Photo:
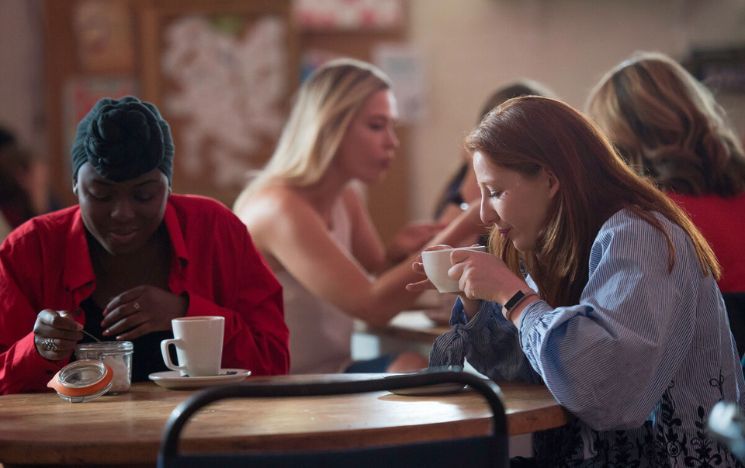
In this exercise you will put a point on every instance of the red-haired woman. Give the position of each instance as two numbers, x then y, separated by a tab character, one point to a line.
598	285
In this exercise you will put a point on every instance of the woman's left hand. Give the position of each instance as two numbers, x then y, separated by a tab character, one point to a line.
142	310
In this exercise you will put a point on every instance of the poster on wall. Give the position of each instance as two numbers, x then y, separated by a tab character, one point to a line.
222	77
103	36
351	15
405	67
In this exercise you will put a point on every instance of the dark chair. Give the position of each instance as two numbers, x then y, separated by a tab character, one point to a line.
726	424
484	451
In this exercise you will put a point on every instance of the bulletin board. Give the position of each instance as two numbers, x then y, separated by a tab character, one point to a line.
222	73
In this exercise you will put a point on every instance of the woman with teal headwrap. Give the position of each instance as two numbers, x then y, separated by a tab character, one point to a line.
128	259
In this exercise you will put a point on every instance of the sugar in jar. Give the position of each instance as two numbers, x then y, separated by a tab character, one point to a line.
115	354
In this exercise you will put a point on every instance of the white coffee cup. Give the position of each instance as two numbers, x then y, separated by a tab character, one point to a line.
436	266
198	342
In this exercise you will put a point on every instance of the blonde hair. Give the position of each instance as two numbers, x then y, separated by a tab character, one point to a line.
527	134
668	126
324	108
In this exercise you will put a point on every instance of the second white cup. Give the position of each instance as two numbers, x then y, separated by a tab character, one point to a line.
436	266
198	342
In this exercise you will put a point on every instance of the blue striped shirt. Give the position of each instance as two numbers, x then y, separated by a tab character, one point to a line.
639	361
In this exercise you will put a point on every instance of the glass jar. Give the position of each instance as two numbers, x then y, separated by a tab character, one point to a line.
115	354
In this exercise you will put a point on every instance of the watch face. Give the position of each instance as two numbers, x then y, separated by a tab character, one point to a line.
512	302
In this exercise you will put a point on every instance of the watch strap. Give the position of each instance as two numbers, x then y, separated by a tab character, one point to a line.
514	300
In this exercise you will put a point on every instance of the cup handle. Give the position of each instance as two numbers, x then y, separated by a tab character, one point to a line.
167	356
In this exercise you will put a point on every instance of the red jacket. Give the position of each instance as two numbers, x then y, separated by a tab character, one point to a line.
44	264
722	222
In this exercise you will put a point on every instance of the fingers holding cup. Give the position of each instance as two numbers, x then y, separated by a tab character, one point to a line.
437	265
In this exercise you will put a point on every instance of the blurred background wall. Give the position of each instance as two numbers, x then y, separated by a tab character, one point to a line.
466	48
21	74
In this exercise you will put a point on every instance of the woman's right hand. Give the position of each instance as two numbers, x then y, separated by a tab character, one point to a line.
55	334
483	277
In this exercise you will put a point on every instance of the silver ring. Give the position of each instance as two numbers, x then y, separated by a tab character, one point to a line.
49	345
137	305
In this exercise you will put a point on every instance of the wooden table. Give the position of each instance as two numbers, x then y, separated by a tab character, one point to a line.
126	429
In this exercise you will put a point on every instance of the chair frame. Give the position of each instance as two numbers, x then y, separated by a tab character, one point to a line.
168	454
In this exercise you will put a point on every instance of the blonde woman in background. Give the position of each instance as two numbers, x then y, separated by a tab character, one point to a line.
669	127
311	224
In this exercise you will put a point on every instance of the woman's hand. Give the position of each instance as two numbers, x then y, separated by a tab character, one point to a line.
142	310
482	277
55	334
411	238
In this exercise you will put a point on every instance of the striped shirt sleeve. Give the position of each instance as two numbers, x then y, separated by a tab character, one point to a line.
609	358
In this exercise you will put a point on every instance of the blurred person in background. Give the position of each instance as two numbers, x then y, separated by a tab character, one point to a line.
307	216
669	127
16	205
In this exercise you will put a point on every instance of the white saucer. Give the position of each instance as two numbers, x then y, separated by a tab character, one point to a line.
174	379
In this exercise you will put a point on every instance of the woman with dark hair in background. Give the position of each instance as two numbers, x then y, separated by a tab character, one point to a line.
668	126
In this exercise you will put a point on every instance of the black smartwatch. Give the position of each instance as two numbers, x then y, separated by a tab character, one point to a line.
514	301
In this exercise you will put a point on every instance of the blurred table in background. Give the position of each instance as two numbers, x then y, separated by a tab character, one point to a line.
408	331
412	326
